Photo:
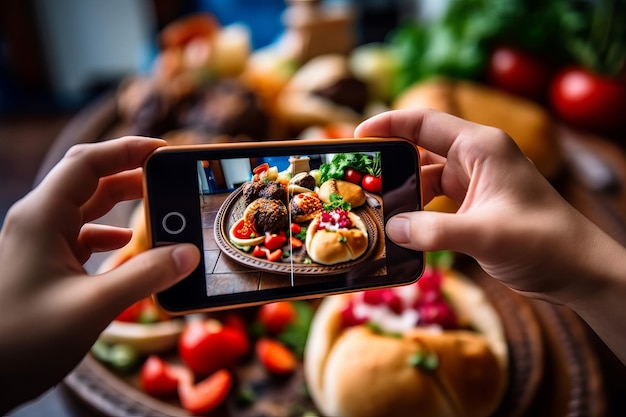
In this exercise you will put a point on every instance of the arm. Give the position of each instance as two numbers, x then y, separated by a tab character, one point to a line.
51	311
511	220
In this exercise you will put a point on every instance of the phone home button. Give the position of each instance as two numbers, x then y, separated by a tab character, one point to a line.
174	223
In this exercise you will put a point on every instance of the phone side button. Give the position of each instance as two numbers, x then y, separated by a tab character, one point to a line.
174	223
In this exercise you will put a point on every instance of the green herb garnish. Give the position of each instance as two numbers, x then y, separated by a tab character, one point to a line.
425	361
337	201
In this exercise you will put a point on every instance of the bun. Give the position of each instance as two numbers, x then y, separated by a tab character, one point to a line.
350	192
330	247
525	121
356	371
300	103
304	207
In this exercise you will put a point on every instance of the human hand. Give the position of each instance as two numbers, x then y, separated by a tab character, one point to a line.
511	220
51	311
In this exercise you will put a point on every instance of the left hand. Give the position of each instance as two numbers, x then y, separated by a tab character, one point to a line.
51	311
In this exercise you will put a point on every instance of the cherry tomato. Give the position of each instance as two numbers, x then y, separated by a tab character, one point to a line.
207	394
157	378
372	184
589	101
206	346
275	356
353	176
295	228
519	72
276	316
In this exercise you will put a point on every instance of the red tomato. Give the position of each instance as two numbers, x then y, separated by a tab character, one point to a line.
352	175
143	311
206	346
261	168
259	252
589	101
275	357
207	394
157	378
295	242
275	241
276	316
275	255
130	314
519	72
372	184
244	230
295	228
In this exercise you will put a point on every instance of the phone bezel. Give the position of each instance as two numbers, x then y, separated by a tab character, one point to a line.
189	295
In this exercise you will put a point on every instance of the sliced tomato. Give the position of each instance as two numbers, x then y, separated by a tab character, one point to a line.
274	241
207	394
274	317
157	377
275	255
261	168
275	356
206	346
244	230
295	242
259	252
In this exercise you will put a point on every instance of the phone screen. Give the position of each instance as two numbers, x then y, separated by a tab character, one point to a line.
284	223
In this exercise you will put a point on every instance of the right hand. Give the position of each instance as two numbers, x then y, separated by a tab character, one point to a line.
511	220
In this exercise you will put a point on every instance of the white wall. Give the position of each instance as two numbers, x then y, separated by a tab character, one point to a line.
87	41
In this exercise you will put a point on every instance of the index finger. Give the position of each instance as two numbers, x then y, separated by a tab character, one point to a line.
431	129
76	176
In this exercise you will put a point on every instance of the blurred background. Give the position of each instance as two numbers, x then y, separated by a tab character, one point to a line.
549	72
57	57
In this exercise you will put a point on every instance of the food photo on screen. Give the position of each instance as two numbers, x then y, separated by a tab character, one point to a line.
309	217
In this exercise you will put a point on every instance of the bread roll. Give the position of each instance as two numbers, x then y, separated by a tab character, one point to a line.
525	121
359	372
333	247
350	192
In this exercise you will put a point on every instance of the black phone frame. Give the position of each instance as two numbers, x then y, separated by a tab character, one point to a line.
171	186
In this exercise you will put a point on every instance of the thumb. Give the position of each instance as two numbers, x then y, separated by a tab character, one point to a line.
432	231
146	273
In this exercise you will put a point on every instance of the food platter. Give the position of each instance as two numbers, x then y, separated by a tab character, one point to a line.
232	210
117	394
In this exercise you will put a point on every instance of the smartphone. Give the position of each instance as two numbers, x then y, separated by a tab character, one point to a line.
278	220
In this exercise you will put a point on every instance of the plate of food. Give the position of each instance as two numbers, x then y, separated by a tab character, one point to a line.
299	225
445	343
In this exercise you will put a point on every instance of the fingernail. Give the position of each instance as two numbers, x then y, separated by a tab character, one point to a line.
398	229
185	258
